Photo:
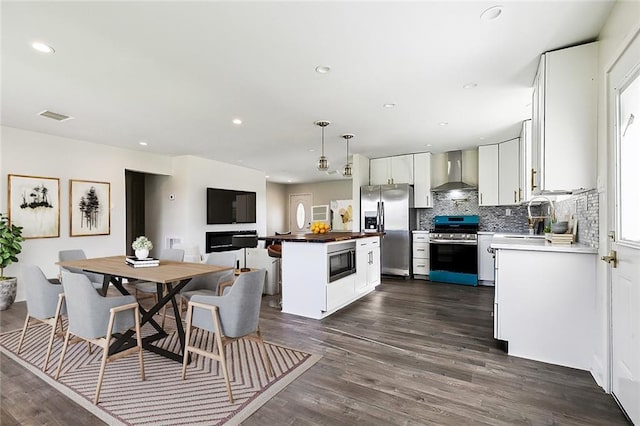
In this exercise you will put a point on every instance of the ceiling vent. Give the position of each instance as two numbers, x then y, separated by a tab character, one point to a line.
54	115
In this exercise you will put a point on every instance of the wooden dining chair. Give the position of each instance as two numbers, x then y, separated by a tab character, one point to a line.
45	303
96	319
209	285
78	254
230	317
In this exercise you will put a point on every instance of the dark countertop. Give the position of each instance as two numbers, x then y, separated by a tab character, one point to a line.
322	238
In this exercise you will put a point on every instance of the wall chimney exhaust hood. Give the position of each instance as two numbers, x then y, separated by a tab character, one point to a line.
454	174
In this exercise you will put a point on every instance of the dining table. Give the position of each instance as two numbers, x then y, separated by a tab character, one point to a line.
170	277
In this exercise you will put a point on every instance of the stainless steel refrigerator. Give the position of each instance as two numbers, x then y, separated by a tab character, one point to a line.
388	209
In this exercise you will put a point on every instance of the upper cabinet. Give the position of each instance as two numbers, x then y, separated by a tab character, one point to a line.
488	175
391	170
422	180
563	145
525	161
509	191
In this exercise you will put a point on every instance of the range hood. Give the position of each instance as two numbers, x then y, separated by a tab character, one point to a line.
454	174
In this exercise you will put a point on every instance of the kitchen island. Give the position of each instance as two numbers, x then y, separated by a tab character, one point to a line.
322	273
544	304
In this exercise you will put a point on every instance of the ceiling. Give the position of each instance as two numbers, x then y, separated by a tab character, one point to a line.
175	74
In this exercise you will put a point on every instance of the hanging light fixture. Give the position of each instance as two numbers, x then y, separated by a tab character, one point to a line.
323	163
346	172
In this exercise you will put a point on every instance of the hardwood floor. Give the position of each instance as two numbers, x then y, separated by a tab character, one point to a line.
410	353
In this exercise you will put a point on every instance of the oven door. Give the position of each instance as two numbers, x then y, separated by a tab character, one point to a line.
454	261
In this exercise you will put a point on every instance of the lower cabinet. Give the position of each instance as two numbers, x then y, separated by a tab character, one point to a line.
367	264
486	271
421	255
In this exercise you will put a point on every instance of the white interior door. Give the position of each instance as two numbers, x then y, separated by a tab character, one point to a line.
624	108
300	212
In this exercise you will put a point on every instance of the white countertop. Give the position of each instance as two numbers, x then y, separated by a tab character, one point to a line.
536	243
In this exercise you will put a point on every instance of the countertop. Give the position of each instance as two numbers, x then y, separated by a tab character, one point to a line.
322	238
536	243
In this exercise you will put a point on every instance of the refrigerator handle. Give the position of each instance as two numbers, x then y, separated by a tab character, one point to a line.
382	216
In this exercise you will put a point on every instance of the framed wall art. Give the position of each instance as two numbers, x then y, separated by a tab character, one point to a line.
89	212
34	204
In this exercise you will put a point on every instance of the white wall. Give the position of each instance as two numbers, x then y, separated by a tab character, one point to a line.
623	23
184	217
277	206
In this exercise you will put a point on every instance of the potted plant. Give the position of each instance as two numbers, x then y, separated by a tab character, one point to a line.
142	245
10	247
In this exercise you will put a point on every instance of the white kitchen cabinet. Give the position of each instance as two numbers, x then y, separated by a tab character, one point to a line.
509	172
544	305
563	149
367	264
488	175
486	270
525	161
422	180
421	254
391	170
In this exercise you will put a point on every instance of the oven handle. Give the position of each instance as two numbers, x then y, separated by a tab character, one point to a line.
456	242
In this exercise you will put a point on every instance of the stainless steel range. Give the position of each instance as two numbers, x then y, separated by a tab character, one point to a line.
453	249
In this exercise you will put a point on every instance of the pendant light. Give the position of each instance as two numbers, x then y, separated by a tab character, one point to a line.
347	167
323	163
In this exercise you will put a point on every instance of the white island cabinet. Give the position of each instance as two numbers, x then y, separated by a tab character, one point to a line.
306	289
545	300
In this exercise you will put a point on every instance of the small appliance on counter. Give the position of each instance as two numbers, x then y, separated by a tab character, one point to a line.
453	249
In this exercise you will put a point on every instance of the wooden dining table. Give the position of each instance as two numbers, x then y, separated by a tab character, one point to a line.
170	277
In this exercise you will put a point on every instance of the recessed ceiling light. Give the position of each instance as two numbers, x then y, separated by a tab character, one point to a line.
312	150
267	176
143	143
389	105
482	138
443	123
289	180
41	47
470	86
491	13
428	145
323	69
236	121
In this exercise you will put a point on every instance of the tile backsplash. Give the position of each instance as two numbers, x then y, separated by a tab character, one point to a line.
495	219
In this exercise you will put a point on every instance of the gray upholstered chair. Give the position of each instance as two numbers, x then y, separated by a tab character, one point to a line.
45	303
230	317
78	254
208	285
150	289
95	319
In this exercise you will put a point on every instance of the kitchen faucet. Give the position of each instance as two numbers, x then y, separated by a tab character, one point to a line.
532	219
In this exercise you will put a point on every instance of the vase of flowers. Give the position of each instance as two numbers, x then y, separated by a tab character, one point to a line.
142	245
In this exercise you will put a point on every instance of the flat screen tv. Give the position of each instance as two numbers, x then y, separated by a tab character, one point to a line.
230	206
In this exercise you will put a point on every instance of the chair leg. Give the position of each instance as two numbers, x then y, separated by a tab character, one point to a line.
24	331
263	352
64	352
222	354
89	348
56	319
139	342
105	356
187	340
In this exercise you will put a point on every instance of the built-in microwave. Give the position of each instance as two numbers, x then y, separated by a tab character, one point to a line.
341	260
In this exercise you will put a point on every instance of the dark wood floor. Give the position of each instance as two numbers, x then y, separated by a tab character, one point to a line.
411	353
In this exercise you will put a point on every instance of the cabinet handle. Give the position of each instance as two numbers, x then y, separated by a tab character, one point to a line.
421	266
515	196
419	249
427	200
533	179
519	194
481	198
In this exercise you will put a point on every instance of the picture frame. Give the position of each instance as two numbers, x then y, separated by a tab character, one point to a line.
89	208
34	204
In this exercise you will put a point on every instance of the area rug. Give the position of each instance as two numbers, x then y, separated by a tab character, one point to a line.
163	398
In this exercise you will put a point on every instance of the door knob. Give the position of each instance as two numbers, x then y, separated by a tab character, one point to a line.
612	259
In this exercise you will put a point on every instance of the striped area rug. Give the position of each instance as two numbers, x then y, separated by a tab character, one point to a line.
163	398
